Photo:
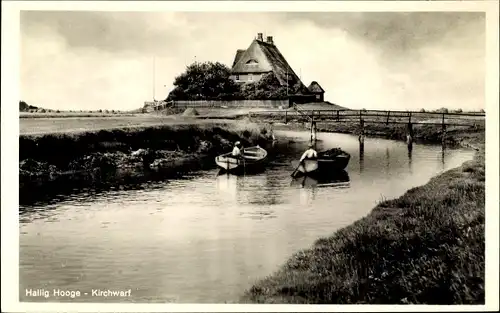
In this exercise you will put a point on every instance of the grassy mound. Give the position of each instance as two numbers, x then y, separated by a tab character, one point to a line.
190	112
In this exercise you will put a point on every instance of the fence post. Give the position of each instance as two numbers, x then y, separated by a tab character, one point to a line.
409	135
443	131
313	131
286	116
388	113
338	116
361	137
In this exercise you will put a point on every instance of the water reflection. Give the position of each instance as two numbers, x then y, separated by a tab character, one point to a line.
410	152
307	196
387	158
339	179
252	189
361	156
442	157
228	185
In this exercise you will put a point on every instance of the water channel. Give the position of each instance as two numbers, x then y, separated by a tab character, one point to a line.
208	237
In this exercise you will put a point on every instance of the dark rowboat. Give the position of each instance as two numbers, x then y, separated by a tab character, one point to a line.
339	179
253	158
330	161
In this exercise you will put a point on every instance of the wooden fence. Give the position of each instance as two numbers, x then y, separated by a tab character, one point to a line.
373	116
232	104
205	104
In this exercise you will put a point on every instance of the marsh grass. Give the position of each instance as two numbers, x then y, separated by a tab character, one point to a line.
60	148
426	247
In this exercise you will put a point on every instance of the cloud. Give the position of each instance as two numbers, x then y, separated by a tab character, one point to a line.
396	31
104	60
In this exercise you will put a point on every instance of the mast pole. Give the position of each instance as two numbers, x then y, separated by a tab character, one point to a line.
154	79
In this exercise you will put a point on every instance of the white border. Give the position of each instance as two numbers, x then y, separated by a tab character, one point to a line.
10	131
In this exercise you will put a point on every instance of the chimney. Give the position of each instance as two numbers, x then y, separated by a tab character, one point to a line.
270	39
259	37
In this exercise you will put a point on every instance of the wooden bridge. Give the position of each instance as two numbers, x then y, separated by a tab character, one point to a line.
363	117
372	116
157	105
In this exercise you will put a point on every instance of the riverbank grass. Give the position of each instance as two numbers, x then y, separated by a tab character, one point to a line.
46	156
426	247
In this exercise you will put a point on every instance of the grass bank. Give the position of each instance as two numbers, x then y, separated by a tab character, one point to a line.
422	133
108	153
426	247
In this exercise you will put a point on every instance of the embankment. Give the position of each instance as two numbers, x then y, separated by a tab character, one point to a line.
422	133
426	247
51	163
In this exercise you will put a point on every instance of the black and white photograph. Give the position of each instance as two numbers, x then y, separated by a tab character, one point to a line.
232	153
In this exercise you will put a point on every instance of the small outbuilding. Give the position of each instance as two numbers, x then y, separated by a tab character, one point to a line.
318	92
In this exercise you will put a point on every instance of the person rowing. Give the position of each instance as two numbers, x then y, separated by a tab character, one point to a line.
310	153
236	153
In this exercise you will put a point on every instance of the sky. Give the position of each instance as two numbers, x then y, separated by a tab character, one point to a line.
89	60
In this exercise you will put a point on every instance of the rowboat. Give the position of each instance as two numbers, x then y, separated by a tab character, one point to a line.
339	179
325	163
253	158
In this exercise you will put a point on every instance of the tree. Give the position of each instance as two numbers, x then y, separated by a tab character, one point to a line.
23	106
267	88
268	82
204	81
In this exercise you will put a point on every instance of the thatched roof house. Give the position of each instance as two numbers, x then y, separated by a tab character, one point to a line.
316	89
260	58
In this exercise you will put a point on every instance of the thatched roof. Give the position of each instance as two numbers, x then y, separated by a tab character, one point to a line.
239	53
314	87
263	57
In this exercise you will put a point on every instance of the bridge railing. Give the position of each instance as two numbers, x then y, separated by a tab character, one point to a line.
374	116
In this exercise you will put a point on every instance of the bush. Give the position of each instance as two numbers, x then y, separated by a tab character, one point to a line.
203	81
212	81
442	110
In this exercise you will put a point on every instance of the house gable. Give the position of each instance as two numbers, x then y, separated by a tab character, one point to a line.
314	87
264	57
253	60
237	57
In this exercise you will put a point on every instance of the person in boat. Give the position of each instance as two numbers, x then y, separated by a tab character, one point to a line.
310	153
237	150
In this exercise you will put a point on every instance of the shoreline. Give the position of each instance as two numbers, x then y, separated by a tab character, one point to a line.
51	163
457	137
119	157
425	247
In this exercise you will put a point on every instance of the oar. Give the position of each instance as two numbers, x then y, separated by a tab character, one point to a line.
244	169
305	176
294	172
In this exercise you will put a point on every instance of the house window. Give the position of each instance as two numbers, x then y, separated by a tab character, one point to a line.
252	63
237	77
318	97
250	77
